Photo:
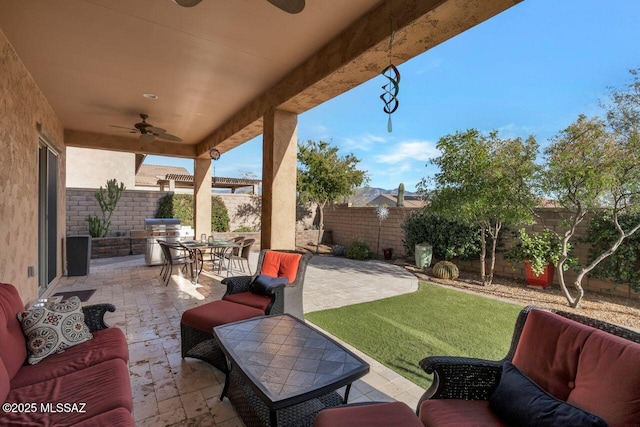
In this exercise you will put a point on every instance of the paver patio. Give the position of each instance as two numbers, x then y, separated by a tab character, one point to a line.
169	390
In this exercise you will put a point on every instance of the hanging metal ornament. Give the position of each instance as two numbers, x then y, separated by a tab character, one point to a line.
391	89
214	153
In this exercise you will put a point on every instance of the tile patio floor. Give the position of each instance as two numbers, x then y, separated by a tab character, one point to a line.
171	391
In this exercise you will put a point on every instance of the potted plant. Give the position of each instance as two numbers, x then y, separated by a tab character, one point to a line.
540	253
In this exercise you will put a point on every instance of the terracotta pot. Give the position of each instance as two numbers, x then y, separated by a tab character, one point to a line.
543	280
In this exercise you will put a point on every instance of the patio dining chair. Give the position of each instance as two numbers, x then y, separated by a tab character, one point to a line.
241	255
174	254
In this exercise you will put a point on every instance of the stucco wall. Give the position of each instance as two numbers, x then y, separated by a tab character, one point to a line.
22	108
87	168
350	223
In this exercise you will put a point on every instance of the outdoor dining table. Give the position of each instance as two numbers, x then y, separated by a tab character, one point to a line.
216	248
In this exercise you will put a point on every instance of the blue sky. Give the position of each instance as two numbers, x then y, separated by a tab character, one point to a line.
528	71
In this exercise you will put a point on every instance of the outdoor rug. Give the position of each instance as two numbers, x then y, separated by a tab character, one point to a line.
83	295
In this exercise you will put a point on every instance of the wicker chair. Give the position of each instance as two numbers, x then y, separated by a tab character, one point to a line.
476	379
239	303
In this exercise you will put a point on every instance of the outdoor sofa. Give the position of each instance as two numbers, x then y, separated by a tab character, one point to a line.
561	369
86	385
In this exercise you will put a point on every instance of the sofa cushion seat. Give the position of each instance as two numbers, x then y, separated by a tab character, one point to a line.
607	382
106	344
205	317
368	415
261	302
457	413
90	385
120	417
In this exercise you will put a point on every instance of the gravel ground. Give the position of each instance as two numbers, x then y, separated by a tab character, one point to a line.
618	310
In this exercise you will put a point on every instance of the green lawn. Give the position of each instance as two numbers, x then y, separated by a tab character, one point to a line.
401	331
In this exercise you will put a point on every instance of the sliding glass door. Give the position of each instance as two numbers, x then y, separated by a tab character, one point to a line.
47	216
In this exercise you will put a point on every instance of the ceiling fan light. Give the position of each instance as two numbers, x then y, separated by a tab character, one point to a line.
147	137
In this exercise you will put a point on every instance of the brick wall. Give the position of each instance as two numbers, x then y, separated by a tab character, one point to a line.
349	223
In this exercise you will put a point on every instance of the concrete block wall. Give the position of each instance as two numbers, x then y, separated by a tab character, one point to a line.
350	223
133	208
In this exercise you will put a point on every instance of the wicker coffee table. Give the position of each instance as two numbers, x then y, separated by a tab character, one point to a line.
282	372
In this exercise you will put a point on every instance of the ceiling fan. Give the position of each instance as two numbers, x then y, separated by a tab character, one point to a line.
148	132
289	6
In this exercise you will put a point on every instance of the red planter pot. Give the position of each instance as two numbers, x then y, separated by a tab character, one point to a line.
543	280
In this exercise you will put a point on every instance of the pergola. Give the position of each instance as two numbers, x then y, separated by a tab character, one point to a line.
224	72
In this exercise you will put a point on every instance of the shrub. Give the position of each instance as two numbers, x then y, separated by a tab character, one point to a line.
358	250
450	239
181	206
338	250
244	229
622	266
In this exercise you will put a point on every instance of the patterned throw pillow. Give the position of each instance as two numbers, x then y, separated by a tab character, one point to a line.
53	328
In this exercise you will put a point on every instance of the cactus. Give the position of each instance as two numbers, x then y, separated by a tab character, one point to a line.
446	270
400	201
108	200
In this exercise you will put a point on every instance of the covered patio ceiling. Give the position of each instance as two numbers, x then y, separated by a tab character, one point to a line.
216	67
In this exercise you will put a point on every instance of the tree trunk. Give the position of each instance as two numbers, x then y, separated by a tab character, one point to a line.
494	244
320	225
483	253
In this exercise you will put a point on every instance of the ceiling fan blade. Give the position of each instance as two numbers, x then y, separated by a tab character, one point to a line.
186	3
154	130
147	137
289	6
123	127
169	137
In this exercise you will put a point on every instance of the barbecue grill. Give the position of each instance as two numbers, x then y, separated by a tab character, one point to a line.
167	229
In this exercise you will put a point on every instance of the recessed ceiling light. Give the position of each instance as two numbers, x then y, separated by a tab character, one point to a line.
150	95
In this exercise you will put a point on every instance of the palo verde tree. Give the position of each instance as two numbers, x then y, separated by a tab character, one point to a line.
595	165
325	177
484	181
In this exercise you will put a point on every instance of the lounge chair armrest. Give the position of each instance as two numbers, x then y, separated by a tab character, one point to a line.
94	315
461	377
237	284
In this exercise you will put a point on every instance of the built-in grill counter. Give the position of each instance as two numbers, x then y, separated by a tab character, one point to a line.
168	229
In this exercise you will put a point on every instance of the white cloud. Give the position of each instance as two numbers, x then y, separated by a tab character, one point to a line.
364	142
409	150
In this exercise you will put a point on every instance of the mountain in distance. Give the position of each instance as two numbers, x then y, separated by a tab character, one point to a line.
364	195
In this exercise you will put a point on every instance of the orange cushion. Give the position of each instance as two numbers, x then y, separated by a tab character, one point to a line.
549	349
372	415
260	302
457	413
281	264
607	383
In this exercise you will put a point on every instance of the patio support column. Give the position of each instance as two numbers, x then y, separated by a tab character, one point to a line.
202	197
279	152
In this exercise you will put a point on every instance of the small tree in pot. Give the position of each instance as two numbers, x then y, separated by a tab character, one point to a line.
540	252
